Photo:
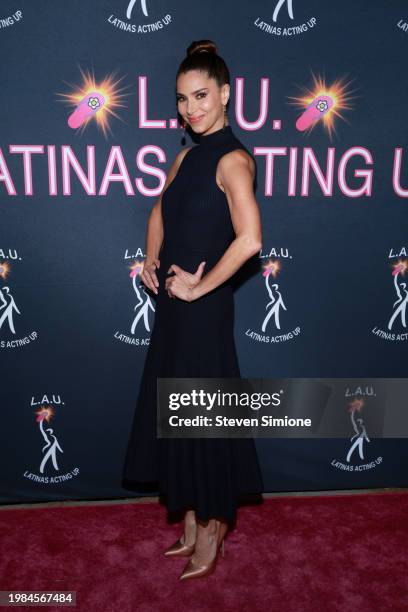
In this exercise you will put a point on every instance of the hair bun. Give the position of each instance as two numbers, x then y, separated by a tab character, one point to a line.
200	46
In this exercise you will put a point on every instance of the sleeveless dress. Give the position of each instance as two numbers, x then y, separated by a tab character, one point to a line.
193	339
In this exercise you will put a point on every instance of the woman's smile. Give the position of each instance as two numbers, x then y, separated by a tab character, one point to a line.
195	119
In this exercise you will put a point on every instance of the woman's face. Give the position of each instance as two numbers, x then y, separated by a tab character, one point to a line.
200	101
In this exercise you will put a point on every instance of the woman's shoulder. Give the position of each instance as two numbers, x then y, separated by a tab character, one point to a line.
238	157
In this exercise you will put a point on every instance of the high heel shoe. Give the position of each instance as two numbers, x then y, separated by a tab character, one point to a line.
179	549
193	570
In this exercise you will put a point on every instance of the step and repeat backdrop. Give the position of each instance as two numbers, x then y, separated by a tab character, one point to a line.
89	128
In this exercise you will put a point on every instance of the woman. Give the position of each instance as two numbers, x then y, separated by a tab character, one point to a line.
202	229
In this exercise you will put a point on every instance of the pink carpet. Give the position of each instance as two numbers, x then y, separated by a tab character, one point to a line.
290	554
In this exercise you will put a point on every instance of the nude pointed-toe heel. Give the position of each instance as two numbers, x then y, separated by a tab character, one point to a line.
193	570
179	549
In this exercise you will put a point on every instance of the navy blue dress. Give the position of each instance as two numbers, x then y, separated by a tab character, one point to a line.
193	339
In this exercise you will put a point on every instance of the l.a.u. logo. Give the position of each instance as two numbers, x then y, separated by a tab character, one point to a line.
144	302
7	303
278	7
356	459
360	430
132	4
272	323
400	305
283	14
275	297
142	26
7	307
396	329
49	470
144	309
52	446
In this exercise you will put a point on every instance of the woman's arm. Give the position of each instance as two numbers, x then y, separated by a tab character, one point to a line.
154	232
236	171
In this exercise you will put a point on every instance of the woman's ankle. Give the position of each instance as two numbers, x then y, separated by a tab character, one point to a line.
190	518
190	527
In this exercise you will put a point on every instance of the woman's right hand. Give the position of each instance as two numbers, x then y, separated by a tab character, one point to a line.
149	276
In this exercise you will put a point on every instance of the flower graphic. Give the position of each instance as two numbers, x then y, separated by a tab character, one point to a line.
322	106
93	102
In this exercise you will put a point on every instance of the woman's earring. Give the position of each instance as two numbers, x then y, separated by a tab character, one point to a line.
183	138
225	112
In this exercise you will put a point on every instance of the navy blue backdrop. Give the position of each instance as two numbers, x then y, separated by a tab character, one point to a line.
88	131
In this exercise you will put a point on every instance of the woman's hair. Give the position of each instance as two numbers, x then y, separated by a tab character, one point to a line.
202	55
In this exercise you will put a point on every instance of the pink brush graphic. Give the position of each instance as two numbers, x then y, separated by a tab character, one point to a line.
315	111
136	271
88	107
271	267
399	267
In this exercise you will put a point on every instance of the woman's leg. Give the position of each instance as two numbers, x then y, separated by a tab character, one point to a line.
190	528
184	546
209	537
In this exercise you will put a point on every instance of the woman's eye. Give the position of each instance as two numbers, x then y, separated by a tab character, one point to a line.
200	95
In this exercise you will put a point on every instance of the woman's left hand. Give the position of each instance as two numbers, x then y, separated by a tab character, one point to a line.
181	285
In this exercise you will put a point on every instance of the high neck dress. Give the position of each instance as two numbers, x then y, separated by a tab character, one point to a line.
193	339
